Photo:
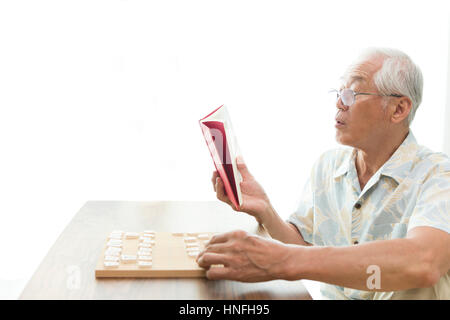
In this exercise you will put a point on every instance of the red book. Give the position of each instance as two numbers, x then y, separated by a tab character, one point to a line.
222	145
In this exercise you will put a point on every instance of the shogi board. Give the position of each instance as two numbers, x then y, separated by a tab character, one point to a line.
169	257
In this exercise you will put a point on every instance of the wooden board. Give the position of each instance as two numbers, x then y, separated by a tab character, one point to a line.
68	269
169	255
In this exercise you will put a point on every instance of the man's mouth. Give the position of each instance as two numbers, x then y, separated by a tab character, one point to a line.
339	123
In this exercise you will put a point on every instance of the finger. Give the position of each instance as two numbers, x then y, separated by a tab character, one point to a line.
220	238
199	256
216	247
213	179
219	273
212	248
210	258
220	191
242	167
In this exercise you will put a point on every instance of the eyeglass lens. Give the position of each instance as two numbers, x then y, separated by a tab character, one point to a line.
347	97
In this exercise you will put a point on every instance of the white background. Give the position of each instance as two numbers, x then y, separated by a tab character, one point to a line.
100	100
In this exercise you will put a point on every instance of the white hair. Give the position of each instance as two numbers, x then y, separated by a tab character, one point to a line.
398	75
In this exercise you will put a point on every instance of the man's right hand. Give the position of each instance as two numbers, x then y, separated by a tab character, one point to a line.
254	199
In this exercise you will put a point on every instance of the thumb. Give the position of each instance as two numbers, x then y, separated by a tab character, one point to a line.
242	167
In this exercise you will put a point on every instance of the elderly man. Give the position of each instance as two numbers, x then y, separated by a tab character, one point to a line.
374	219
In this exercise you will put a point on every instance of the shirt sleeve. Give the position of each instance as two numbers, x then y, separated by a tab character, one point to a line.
303	217
433	204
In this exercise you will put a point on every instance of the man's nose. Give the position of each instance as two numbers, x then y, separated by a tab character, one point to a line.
340	105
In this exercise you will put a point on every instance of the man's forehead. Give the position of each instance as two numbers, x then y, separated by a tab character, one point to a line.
361	73
355	78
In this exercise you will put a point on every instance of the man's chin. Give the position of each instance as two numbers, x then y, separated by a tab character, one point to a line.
343	139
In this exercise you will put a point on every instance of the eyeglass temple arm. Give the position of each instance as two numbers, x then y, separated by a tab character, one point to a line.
378	94
369	94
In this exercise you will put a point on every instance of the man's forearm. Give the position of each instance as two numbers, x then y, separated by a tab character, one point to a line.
398	263
281	230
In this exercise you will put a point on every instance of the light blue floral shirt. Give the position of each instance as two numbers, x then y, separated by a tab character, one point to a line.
411	189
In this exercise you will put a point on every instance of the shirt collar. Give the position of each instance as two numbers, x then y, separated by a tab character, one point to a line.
344	167
400	163
397	167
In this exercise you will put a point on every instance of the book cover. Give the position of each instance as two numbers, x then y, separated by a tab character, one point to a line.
223	147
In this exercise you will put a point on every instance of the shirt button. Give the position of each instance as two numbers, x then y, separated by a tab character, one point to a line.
357	205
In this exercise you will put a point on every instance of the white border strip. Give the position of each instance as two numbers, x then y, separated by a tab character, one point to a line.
447	107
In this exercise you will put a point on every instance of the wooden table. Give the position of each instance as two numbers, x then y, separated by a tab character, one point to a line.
67	272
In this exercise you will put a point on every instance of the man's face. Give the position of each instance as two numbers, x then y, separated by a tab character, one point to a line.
360	124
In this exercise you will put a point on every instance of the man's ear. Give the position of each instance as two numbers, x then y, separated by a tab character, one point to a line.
402	109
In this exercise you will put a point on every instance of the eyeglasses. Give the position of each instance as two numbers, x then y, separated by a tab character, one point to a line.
348	95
